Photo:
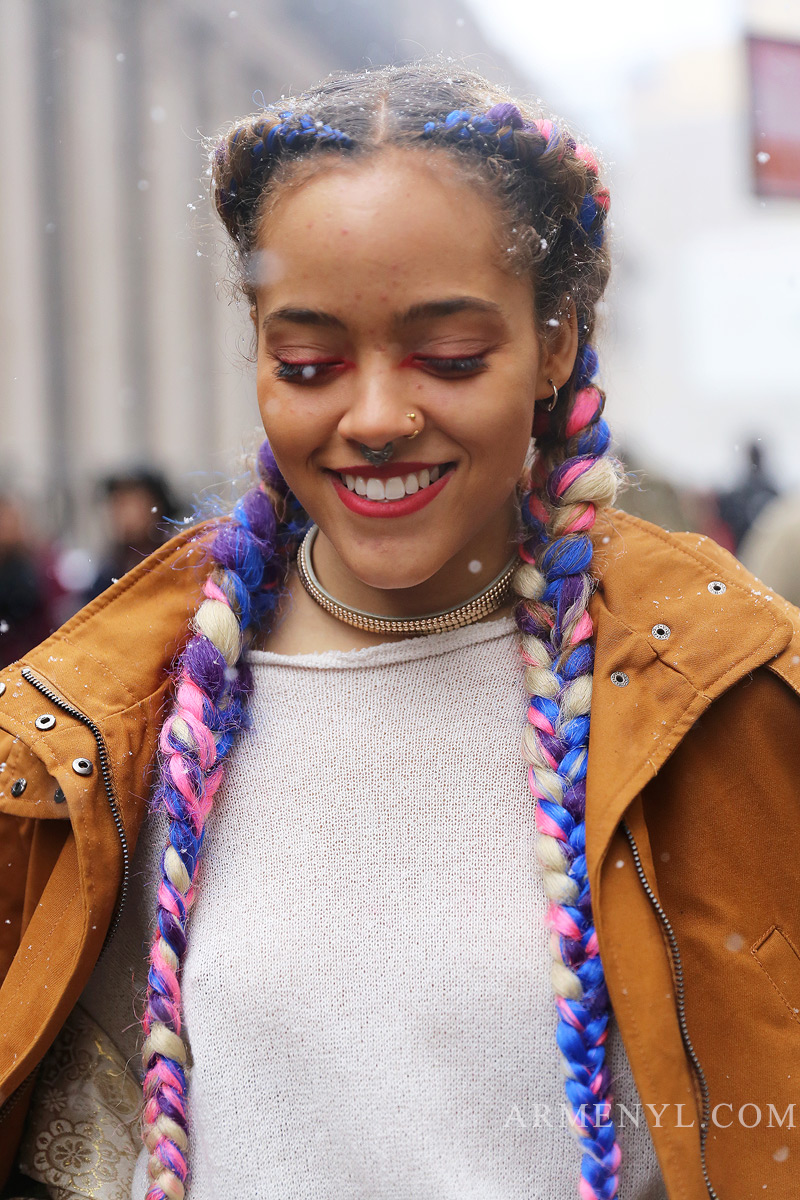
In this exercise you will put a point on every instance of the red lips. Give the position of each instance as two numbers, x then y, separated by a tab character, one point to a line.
389	508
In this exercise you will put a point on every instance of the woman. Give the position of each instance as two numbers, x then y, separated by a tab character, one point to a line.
363	991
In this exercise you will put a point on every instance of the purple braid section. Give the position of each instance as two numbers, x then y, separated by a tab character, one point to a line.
250	550
555	585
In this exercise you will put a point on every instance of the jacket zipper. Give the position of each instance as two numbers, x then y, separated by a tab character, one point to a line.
105	770
679	997
16	1095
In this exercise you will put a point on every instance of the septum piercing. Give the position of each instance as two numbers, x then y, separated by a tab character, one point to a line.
376	458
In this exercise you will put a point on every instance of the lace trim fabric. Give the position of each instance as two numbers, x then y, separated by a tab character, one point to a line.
82	1134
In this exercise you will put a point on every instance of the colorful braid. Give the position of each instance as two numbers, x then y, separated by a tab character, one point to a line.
569	484
251	551
568	487
494	131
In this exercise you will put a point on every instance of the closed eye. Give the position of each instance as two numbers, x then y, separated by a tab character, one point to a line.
305	373
316	372
453	366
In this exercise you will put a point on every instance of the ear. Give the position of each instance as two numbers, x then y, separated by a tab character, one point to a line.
254	318
559	348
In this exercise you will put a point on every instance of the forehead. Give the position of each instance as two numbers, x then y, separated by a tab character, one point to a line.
402	218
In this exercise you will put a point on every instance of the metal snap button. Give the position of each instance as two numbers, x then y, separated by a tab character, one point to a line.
717	587
661	631
18	787
46	721
59	796
2	688
82	766
620	678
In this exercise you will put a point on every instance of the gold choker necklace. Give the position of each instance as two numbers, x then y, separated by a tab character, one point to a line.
481	605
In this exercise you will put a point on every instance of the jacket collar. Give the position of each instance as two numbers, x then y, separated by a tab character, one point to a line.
114	653
720	623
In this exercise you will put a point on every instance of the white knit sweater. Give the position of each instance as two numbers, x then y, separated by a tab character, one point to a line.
366	987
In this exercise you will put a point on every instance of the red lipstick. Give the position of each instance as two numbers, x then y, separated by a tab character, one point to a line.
389	508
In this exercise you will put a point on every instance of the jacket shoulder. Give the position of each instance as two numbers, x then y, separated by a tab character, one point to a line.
641	562
116	650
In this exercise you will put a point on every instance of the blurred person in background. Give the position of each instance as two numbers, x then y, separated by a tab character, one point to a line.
771	548
426	908
140	505
29	591
740	506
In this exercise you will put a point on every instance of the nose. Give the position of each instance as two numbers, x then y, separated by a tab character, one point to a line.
378	408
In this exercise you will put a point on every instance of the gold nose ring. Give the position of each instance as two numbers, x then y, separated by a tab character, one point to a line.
412	417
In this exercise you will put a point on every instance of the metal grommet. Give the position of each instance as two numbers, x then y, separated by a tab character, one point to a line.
717	587
18	787
46	721
620	678
661	632
59	796
2	689
82	766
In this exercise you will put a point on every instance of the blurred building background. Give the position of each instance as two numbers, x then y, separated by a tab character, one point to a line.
120	347
703	314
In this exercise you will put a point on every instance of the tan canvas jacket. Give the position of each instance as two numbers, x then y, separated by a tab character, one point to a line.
692	818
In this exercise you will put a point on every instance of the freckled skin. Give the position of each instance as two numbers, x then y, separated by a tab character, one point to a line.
399	213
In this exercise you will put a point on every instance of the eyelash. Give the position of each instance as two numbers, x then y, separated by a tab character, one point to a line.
293	372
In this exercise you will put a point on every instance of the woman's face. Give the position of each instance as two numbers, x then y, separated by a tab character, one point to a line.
383	296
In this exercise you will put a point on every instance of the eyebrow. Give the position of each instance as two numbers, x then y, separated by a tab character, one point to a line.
430	309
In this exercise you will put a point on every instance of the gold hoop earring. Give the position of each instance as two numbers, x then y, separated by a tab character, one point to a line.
549	407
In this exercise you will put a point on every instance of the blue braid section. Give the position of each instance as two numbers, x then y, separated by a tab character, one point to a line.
565	562
293	133
462	126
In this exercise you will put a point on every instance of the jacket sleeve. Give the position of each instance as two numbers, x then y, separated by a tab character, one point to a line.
82	1134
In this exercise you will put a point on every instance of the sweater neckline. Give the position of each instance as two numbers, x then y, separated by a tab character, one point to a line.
408	650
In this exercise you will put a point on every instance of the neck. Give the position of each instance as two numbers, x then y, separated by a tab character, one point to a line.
303	627
452	583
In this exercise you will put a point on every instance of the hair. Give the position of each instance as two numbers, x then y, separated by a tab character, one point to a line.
551	206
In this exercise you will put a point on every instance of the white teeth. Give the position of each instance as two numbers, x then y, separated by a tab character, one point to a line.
395	488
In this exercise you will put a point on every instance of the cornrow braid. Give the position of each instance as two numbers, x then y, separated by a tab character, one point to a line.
251	552
554	583
250	148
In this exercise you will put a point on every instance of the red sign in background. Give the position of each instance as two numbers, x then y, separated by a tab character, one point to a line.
775	115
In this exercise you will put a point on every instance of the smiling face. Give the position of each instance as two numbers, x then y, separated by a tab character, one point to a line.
386	296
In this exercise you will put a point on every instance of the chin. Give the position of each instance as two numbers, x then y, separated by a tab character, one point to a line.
395	576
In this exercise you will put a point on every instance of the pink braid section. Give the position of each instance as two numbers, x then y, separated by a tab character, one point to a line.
568	486
250	550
